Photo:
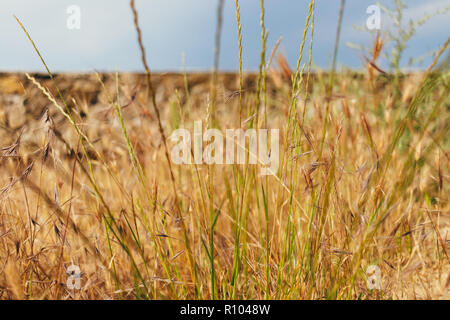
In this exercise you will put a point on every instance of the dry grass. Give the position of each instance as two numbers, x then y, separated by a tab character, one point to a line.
86	179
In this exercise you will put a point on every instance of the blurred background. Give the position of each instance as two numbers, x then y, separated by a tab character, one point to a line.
180	34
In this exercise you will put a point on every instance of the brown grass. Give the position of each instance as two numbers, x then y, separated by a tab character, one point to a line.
409	243
86	179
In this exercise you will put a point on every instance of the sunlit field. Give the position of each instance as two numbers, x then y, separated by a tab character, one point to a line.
93	205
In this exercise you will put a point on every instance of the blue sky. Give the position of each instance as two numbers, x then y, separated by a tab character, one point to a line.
107	39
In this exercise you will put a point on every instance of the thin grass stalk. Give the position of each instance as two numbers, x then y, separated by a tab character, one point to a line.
241	80
331	80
